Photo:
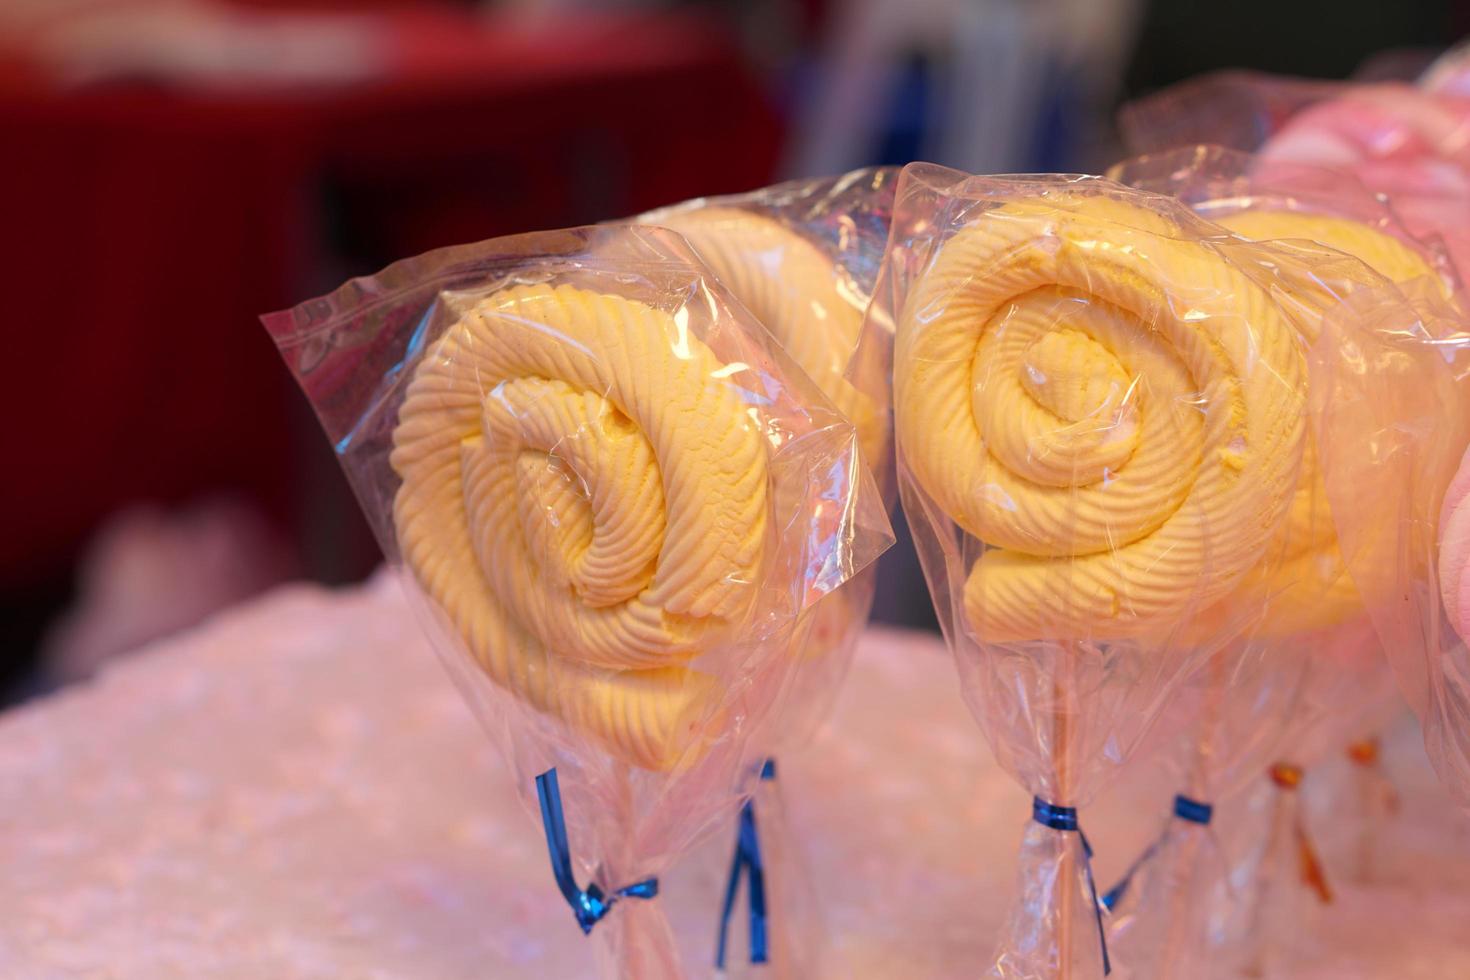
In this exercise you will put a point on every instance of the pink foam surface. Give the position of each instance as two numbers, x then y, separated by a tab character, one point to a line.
296	791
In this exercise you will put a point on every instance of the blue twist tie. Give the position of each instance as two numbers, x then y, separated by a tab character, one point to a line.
1193	810
747	859
1186	809
1064	819
591	904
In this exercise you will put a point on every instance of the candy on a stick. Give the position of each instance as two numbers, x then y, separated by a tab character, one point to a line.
1307	588
1310	588
614	499
1306	670
1413	145
801	257
1100	417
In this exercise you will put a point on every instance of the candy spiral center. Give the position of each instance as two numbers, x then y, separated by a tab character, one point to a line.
1114	410
585	495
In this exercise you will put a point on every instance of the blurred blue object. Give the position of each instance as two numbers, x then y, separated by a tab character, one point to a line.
989	87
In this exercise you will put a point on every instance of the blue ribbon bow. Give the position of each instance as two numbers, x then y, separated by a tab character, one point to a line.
747	859
1186	809
589	904
1064	819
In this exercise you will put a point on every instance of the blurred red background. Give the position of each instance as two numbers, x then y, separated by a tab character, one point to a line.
170	169
151	222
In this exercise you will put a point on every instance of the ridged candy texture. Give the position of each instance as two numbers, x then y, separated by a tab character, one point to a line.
798	293
586	500
1307	584
1111	407
1378	250
807	302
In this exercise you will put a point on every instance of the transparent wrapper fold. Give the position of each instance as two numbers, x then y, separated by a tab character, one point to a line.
1310	675
802	257
1103	430
1389	384
1398	139
615	497
1408	402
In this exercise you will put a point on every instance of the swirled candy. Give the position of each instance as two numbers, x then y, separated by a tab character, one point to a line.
1111	407
815	311
585	497
798	292
1307	584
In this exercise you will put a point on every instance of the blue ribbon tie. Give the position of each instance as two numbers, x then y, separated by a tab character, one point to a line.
1193	810
747	859
1186	809
589	904
1064	819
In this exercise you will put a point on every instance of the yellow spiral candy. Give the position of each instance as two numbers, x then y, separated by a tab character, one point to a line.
798	292
1306	585
815	312
1378	250
587	502
1116	411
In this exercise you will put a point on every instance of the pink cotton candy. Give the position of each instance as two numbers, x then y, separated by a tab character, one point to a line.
1376	122
1410	145
1454	549
1450	73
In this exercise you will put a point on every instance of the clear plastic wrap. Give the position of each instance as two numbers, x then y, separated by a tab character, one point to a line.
1392	407
1311	676
1386	484
1397	139
802	257
1450	73
1413	145
1304	120
1101	414
1238	110
614	498
1411	400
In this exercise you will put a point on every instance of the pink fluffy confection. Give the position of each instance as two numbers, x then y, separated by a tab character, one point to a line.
1450	75
1454	549
1411	145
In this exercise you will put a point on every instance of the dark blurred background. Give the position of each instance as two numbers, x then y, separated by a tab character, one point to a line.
169	169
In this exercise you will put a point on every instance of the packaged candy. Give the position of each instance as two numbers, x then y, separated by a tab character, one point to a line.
1396	139
1310	675
1395	501
1101	422
1238	110
1411	144
802	258
615	499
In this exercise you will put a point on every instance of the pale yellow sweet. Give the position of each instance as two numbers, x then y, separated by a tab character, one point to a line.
1304	584
1380	251
798	292
586	500
1108	404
